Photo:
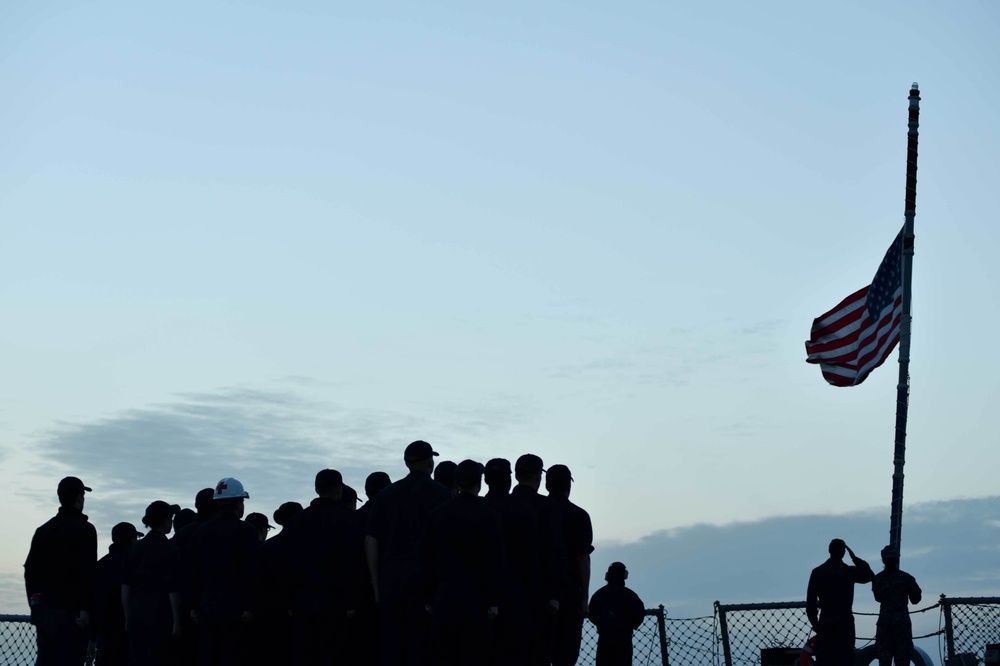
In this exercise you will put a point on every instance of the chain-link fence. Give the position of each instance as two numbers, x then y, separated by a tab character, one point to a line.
746	629
970	624
692	641
17	640
647	641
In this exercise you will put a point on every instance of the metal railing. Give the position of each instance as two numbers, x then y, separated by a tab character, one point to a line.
734	635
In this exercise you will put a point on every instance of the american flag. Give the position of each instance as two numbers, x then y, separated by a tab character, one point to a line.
858	334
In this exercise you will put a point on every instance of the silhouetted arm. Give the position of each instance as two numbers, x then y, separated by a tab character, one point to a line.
812	607
371	557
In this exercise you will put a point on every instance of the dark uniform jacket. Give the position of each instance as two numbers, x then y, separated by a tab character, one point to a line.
151	570
108	623
464	558
831	585
324	558
522	562
398	519
616	611
893	589
551	545
578	541
62	562
225	569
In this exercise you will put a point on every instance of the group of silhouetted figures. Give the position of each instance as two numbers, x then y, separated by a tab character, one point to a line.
426	572
830	601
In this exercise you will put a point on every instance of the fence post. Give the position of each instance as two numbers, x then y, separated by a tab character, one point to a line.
949	631
662	624
725	634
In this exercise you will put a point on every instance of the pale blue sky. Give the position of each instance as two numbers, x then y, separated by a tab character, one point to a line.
256	239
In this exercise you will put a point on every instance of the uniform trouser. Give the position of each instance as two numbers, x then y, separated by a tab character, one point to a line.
147	644
540	636
219	642
835	641
894	641
271	639
404	625
460	642
566	636
60	642
614	650
112	647
362	636
318	637
508	636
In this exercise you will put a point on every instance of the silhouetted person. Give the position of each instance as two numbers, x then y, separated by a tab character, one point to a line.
324	568
225	577
444	473
578	544
464	559
893	589
109	618
184	518
394	549
183	538
349	498
363	642
549	545
831	588
509	644
259	523
273	644
150	584
615	612
59	577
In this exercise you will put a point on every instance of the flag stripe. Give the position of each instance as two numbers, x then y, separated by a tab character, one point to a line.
860	333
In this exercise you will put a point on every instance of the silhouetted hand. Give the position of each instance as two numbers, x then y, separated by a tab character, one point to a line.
585	608
194	616
82	619
246	617
553	606
492	612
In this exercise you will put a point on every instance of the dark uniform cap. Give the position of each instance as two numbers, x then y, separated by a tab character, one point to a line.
468	473
159	511
376	482
203	500
444	473
327	479
349	495
72	486
890	553
286	512
418	450
259	521
558	474
184	518
529	463
124	533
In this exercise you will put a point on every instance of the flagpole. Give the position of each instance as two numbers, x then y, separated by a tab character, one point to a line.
903	385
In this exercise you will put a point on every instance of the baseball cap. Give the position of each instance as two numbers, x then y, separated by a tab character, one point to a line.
468	473
529	463
349	497
327	479
203	500
72	486
558	474
376	482
124	532
890	553
159	511
259	521
286	512
496	468
418	450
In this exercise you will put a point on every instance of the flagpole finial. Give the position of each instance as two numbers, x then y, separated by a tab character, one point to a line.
915	86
